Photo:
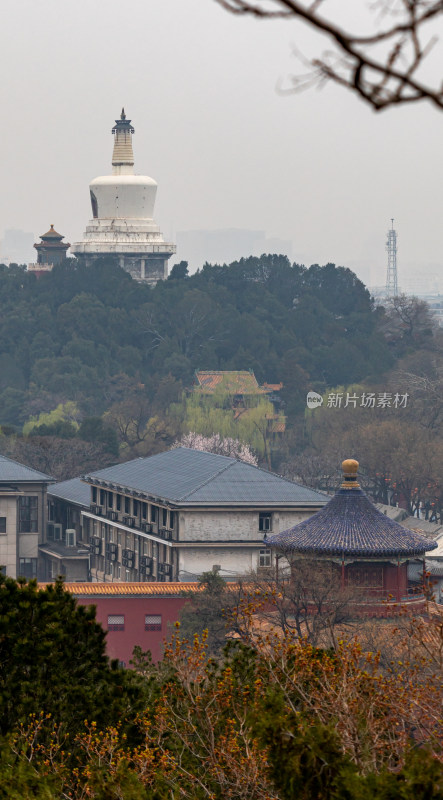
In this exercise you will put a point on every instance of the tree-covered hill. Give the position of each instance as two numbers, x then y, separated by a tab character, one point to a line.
93	335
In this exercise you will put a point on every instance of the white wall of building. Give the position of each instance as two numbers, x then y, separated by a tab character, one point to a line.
8	540
223	533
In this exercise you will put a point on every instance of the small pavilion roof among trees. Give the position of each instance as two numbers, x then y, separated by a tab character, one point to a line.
236	382
242	392
51	251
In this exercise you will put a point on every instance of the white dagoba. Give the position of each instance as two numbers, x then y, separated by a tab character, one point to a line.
123	207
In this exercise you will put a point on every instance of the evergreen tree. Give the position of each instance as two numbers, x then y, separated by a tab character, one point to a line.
53	660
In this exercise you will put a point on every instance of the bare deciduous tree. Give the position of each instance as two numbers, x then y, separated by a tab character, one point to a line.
383	66
60	458
307	601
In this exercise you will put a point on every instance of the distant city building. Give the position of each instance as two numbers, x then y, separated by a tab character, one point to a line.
225	246
123	207
435	302
51	251
16	247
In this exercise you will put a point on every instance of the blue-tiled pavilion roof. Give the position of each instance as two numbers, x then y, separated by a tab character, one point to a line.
350	525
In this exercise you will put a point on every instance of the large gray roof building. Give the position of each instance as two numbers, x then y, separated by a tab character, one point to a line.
177	514
191	477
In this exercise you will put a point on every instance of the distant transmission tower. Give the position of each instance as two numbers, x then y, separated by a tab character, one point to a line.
391	274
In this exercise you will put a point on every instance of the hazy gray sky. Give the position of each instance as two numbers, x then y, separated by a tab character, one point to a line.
226	148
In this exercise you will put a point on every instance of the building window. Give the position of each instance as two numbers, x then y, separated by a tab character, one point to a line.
153	622
153	513
2	524
126	505
94	494
119	502
165	518
171	519
144	510
102	497
28	567
28	514
265	521
110	500
116	622
264	559
135	508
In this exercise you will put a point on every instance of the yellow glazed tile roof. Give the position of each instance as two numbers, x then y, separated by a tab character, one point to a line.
140	589
231	381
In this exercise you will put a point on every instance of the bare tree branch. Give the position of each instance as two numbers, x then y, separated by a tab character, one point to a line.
383	67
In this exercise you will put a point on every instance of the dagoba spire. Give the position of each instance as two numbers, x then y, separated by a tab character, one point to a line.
123	227
123	156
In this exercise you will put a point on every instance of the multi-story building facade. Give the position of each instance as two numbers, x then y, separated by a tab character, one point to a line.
22	517
175	515
63	551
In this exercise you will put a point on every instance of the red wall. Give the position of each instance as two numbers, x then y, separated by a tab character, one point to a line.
394	578
120	644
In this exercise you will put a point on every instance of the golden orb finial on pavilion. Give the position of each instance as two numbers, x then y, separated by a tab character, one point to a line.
350	470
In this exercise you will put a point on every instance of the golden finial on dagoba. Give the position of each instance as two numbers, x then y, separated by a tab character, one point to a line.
350	470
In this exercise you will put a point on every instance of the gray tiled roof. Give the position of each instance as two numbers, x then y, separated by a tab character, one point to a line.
434	567
12	471
74	490
351	525
193	477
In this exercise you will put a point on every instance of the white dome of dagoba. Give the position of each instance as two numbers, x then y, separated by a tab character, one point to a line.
123	226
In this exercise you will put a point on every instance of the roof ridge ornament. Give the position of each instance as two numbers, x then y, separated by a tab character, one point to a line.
350	471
